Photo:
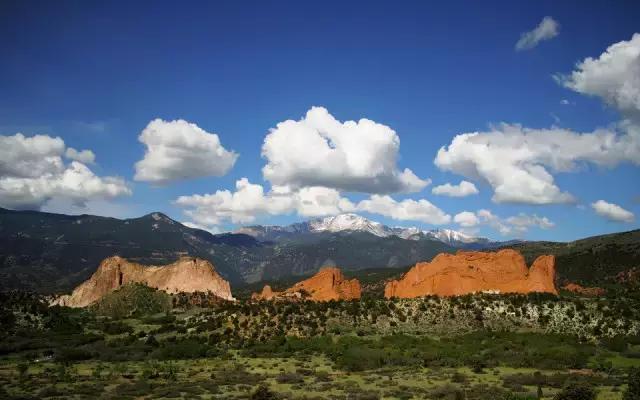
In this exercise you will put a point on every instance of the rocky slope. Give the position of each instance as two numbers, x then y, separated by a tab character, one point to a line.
504	271
328	284
185	275
590	261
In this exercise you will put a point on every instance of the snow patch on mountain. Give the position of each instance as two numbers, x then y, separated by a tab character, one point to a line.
348	222
356	223
451	236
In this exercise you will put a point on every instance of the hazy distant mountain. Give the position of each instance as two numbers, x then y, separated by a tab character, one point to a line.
357	223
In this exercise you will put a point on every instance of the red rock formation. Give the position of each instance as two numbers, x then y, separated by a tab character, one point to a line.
266	294
328	284
467	272
631	276
185	275
585	291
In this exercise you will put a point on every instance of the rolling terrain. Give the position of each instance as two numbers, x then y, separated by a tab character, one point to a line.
52	252
593	260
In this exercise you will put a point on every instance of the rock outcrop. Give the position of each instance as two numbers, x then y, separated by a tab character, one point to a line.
328	284
584	291
467	272
631	276
266	294
185	275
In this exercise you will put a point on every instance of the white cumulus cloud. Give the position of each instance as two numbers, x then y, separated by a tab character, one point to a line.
517	224
518	162
177	150
249	201
466	219
84	156
33	172
547	29
464	188
193	225
614	76
612	212
318	200
354	156
406	210
522	222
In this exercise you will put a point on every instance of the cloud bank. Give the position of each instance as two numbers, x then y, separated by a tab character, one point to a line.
33	171
250	201
518	162
518	224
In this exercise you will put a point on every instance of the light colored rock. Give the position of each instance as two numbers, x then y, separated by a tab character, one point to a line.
266	294
185	275
467	272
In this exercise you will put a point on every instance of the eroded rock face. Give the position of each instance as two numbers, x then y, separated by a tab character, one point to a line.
185	275
467	272
328	284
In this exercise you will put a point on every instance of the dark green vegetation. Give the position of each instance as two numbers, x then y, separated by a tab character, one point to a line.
595	260
142	343
132	301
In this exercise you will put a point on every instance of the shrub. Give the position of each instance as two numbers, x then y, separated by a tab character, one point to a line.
183	349
22	369
70	354
633	389
290	378
263	393
616	343
576	391
116	328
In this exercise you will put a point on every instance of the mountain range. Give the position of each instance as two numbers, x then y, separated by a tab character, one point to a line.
355	223
49	252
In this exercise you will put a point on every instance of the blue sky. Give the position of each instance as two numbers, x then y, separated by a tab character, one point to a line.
96	75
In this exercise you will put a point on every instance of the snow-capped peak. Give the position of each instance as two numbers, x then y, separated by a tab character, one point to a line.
348	222
451	236
356	223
